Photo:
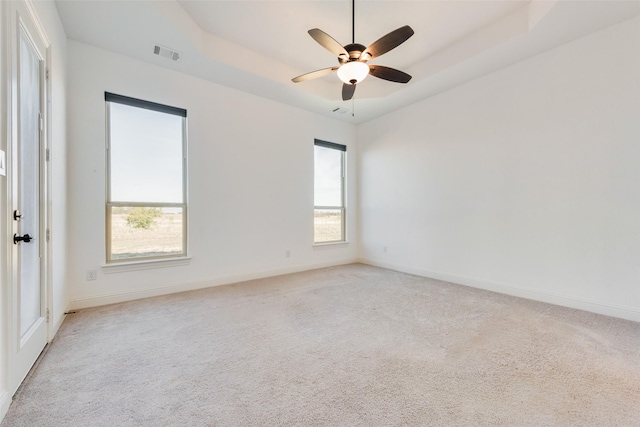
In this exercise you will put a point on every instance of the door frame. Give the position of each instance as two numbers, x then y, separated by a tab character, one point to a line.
21	13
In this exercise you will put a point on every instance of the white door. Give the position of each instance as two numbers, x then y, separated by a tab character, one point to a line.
28	106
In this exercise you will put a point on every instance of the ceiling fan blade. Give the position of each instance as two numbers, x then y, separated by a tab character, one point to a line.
390	74
314	74
347	91
385	43
328	42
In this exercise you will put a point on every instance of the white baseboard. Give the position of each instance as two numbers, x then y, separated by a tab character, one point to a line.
5	402
628	313
80	303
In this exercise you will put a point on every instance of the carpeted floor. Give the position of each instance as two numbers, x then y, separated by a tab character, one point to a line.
343	346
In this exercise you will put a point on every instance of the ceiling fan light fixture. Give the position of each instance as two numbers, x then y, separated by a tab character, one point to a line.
353	72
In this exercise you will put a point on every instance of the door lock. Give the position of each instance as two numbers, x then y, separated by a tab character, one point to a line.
17	215
26	238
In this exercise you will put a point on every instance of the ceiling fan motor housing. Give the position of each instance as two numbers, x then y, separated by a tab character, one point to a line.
355	51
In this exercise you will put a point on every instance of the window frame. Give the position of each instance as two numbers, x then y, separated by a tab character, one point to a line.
109	205
343	188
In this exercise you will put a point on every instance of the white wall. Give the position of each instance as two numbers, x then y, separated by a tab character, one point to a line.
250	180
525	181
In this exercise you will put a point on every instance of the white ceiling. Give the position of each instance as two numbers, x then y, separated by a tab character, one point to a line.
258	46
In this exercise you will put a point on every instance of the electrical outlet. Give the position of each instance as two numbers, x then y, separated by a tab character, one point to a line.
92	274
287	254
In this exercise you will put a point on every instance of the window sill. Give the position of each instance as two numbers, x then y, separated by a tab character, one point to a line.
122	267
329	244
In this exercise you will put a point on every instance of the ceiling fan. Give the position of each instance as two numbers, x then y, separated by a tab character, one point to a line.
353	58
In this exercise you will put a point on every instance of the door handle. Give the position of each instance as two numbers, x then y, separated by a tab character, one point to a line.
26	238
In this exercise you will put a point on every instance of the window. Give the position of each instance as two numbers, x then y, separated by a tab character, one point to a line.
146	207
329	210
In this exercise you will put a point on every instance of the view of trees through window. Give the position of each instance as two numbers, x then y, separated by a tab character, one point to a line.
148	231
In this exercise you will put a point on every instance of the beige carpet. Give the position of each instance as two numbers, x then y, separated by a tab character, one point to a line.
343	346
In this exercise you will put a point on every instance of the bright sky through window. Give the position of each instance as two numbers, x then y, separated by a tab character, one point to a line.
327	182
146	155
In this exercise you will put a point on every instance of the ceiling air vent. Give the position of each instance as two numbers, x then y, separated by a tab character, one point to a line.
166	52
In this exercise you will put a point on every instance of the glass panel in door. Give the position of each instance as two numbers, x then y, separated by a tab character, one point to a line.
29	171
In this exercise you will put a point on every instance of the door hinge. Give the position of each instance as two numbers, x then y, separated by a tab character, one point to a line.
47	155
48	233
41	122
47	74
48	315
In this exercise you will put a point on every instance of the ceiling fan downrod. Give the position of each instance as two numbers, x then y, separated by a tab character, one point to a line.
353	21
